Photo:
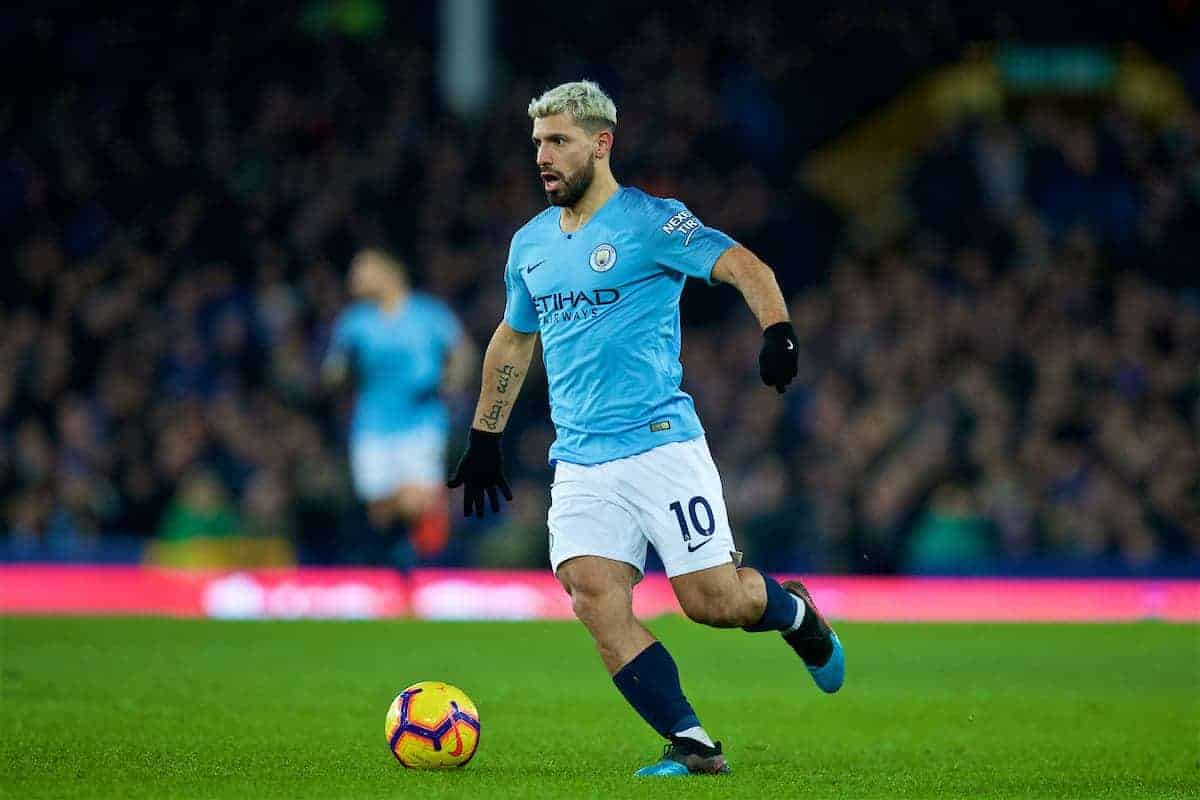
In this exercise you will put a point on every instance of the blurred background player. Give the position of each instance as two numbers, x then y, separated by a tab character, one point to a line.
402	349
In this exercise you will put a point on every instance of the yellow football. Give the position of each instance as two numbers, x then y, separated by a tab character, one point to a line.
432	725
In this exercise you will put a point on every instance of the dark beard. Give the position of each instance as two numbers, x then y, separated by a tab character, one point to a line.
573	187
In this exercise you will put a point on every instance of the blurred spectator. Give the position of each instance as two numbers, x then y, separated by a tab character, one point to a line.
200	509
265	512
203	528
951	537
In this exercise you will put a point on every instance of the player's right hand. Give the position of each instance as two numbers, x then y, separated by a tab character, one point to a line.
480	470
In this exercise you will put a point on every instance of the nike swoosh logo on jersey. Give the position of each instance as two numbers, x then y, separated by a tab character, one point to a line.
693	548
532	267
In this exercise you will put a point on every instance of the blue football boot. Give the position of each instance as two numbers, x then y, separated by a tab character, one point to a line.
683	756
816	643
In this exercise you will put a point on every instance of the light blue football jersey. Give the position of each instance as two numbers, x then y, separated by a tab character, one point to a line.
397	358
606	301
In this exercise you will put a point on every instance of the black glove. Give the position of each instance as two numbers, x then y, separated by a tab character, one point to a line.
779	359
481	468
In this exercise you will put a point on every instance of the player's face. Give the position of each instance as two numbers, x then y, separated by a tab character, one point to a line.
564	158
367	278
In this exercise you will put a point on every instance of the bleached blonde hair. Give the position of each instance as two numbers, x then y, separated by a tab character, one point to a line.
585	101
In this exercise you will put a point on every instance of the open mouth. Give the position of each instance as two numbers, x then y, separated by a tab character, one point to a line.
550	181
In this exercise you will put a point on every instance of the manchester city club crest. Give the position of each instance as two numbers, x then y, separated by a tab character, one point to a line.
603	258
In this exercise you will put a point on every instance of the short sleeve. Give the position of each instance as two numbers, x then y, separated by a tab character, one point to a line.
519	311
683	243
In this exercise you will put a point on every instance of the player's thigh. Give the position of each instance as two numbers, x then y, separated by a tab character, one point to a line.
585	520
676	492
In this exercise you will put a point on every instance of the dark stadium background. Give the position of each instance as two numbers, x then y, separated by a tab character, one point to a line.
1000	357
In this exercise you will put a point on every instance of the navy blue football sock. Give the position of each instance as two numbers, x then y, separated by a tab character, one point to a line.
650	682
782	608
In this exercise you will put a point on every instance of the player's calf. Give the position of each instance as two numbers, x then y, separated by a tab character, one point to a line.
789	609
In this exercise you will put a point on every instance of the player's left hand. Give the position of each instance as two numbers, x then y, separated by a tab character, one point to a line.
779	359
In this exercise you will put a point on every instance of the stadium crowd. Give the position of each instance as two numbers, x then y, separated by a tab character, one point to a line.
1013	386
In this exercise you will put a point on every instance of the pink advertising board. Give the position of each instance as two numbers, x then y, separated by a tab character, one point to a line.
317	593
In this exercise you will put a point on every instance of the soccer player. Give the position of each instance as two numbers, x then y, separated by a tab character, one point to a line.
599	274
403	348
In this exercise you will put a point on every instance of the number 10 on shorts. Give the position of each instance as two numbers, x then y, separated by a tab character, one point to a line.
703	521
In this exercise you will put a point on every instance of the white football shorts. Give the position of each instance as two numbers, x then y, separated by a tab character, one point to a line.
669	497
380	463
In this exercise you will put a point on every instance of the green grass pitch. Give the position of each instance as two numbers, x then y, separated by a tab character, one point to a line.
150	708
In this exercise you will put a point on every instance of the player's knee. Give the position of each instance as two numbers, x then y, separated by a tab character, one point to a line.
596	606
604	610
601	594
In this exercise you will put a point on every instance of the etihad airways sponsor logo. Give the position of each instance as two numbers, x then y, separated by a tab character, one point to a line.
569	305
